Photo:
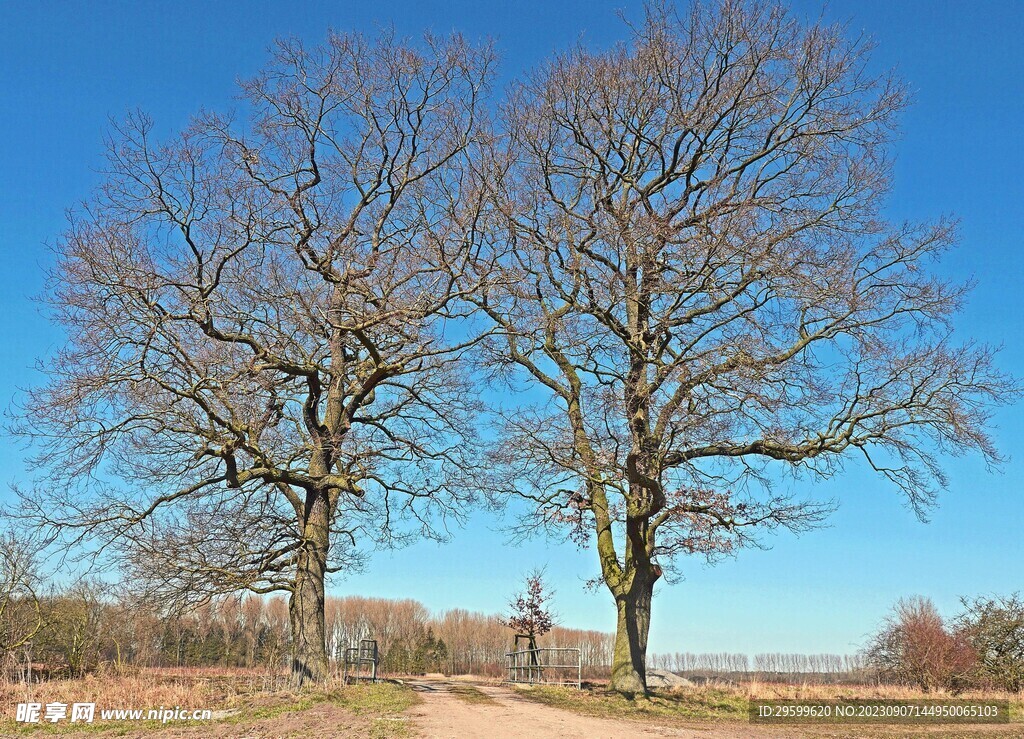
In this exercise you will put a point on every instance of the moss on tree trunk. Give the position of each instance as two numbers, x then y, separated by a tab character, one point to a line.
306	605
629	671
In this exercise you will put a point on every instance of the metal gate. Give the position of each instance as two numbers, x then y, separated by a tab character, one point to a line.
547	666
361	662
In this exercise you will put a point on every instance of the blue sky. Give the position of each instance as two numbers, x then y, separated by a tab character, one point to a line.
67	67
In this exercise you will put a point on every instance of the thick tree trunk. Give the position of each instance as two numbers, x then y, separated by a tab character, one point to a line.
629	661
306	607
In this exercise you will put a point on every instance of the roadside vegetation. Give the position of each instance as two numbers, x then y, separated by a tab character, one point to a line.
235	697
699	703
724	702
470	694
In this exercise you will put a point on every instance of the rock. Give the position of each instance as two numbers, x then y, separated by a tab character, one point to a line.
666	679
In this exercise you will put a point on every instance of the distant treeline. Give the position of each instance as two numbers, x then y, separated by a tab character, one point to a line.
768	665
83	629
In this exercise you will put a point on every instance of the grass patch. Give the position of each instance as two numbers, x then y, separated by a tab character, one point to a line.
110	728
731	704
264	706
277	704
380	704
375	698
383	704
470	694
701	704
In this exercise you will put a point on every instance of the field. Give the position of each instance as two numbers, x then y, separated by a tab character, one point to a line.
245	703
240	702
725	707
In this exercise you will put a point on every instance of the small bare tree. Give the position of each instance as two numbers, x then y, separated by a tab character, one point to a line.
531	614
697	274
263	326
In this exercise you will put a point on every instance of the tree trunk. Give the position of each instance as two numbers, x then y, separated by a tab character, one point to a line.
629	669
306	606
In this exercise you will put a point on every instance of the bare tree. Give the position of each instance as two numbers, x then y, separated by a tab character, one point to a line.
20	613
994	627
531	614
263	329
698	275
915	646
77	627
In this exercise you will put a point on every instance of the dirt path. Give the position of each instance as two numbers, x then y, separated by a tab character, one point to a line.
453	709
503	714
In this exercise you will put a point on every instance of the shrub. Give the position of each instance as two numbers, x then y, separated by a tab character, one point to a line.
994	627
915	647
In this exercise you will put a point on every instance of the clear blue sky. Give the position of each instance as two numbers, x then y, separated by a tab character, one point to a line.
66	67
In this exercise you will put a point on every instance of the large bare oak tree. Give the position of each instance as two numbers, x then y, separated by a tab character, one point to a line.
698	275
263	329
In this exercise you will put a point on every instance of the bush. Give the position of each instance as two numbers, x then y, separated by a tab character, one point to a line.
994	627
915	647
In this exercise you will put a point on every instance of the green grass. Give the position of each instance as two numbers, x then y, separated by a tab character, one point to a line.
120	728
703	704
470	694
706	704
380	703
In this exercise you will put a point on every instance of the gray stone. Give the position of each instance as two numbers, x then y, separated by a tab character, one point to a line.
666	679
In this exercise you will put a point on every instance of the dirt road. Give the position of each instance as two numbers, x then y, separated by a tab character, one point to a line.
448	712
452	709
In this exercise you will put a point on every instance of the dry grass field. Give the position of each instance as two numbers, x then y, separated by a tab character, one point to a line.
247	703
243	702
724	707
